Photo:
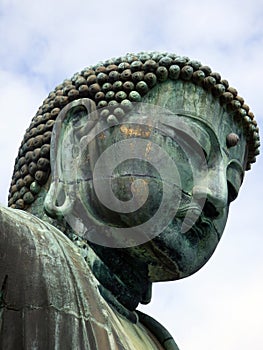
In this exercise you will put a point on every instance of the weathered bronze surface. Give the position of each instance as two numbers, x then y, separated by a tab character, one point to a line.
72	271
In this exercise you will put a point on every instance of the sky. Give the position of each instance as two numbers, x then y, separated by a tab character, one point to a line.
45	42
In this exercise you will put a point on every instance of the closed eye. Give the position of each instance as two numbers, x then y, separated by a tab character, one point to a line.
192	147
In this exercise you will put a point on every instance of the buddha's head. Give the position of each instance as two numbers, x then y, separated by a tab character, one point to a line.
147	152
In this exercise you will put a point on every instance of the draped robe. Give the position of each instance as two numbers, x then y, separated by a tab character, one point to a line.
49	297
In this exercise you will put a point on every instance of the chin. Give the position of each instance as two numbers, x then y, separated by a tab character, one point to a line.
177	255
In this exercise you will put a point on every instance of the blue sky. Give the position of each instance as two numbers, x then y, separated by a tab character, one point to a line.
44	42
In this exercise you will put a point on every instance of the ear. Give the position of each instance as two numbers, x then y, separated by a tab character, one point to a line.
74	121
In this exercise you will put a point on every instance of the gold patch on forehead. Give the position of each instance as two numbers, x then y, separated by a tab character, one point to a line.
135	131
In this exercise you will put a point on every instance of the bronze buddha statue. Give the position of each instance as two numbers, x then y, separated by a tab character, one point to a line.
124	178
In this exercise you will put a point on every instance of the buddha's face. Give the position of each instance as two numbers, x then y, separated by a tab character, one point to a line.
159	184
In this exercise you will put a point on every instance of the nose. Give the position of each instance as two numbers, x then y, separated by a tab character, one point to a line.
211	193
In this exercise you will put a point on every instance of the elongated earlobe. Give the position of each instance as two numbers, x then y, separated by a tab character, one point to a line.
73	122
59	201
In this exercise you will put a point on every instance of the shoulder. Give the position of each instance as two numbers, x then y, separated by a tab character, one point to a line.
41	263
21	228
17	220
46	285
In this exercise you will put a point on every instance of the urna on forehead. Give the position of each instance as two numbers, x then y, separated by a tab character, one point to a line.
114	85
